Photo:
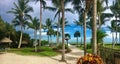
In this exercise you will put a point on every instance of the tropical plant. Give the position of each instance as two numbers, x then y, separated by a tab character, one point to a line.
57	7
63	35
34	24
77	34
67	37
42	5
50	32
21	15
94	32
48	26
90	59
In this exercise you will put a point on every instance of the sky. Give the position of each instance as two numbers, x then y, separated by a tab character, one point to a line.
6	5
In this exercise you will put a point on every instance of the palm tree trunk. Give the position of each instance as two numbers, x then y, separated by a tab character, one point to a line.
20	38
77	41
48	40
116	32
40	22
63	36
81	35
85	14
58	30
67	42
94	31
119	37
112	39
35	40
99	20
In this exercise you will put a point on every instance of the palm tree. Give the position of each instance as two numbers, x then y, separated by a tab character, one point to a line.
42	5
34	24
9	30
80	23
21	15
67	37
112	28
77	34
48	25
94	29
57	7
63	36
50	32
78	6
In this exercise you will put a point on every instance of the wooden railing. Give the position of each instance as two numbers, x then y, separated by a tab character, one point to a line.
109	55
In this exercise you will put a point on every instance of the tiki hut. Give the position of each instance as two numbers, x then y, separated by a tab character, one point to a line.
24	42
5	40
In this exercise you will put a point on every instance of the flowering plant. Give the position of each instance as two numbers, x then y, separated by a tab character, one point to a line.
90	59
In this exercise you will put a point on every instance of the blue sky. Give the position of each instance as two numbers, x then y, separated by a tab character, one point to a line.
8	4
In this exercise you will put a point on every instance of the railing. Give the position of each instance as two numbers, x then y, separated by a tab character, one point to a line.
110	56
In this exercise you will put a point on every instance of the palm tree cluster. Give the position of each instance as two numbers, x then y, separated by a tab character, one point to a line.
90	15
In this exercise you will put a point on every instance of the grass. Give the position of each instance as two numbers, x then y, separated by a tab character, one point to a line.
45	51
110	46
82	48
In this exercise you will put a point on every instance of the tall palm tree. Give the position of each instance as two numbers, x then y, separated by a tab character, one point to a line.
67	37
112	28
42	5
48	25
63	36
78	5
80	23
77	34
21	15
34	24
50	32
94	29
9	30
57	7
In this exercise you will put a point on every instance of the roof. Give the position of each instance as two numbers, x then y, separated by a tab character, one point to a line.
5	40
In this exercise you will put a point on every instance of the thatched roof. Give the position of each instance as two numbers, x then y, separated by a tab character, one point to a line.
24	42
5	40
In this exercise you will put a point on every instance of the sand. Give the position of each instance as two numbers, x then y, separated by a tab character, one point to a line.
12	58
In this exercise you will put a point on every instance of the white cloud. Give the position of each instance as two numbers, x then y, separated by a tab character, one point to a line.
110	34
43	33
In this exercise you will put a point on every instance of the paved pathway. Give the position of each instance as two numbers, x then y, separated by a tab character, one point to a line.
11	58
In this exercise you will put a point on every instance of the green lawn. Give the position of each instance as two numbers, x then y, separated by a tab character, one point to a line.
110	46
44	51
88	50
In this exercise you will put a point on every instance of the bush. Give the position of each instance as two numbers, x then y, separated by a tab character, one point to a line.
90	59
89	46
44	42
59	48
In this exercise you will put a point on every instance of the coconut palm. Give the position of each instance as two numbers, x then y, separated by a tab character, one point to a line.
34	24
77	34
57	7
67	37
42	5
21	15
9	30
50	32
80	23
48	26
94	29
78	6
63	35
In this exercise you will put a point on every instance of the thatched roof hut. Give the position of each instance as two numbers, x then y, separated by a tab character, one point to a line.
5	40
24	42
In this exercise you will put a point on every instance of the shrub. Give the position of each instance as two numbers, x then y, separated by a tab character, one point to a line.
44	42
59	47
89	46
90	59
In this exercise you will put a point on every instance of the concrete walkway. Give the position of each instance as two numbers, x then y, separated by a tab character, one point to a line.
11	58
